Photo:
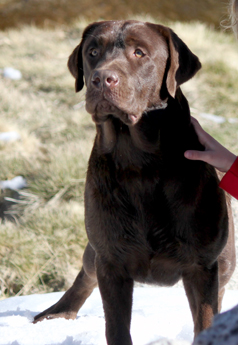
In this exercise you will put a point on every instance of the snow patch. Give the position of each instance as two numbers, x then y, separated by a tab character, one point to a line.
157	313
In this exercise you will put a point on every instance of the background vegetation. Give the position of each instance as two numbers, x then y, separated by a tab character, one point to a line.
50	12
41	250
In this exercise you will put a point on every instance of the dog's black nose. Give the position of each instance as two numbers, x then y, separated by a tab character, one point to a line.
105	78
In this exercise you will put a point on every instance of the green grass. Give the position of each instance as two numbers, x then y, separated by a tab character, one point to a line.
42	251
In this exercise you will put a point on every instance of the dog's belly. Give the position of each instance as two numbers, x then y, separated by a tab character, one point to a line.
165	272
161	276
159	270
164	264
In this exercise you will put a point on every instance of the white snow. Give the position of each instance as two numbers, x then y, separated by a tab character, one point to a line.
12	73
213	118
17	182
157	313
9	136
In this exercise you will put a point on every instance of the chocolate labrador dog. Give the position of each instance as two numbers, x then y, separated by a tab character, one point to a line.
151	215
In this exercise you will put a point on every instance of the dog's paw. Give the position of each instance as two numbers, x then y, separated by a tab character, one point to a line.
47	315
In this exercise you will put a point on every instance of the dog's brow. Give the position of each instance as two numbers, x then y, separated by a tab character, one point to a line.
120	42
89	40
135	41
102	39
98	39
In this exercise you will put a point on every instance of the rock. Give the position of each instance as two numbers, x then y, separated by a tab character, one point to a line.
8	200
224	330
12	73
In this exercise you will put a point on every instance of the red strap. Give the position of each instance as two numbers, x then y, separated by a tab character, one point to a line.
229	182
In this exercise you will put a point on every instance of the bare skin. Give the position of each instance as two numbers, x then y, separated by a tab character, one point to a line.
214	154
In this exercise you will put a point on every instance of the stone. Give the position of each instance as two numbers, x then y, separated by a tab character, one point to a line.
224	330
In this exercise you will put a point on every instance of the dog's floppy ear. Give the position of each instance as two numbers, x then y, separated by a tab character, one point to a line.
183	64
75	65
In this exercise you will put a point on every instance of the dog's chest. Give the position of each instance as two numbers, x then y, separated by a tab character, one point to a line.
130	214
134	198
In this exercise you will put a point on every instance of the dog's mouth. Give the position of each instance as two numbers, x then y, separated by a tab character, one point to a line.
104	109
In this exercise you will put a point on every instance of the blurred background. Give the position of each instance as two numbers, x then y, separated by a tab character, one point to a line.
46	135
14	13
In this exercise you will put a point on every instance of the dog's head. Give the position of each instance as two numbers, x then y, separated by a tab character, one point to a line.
129	68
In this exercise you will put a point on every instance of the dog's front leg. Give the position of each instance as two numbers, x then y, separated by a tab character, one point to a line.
201	287
116	292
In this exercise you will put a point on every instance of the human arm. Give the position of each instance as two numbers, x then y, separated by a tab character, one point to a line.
214	153
218	156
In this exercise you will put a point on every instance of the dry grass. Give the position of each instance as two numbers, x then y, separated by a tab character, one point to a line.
39	253
214	89
42	251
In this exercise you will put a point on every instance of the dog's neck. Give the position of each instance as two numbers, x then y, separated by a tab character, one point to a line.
106	136
113	135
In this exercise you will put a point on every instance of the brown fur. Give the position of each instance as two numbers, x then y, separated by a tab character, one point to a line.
151	215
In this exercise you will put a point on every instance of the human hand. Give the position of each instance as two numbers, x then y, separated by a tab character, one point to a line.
214	154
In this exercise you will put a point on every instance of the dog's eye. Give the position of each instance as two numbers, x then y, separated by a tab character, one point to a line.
138	53
94	52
